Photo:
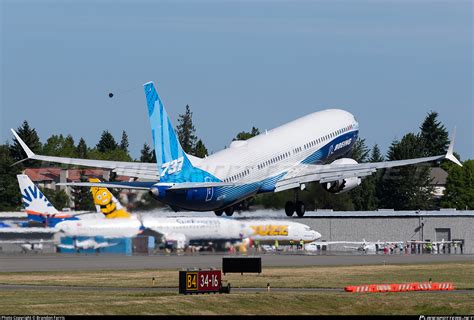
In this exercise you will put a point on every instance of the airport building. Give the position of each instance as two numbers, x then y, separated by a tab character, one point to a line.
389	225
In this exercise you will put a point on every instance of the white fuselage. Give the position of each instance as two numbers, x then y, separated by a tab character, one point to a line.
109	228
200	228
279	149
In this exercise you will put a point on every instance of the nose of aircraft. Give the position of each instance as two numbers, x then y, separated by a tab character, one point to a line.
316	235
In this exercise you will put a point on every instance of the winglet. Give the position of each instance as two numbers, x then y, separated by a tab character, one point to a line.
449	155
29	153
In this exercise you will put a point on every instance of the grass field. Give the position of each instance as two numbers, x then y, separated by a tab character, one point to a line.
121	301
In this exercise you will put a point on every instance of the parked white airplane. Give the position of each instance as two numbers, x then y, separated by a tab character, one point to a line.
365	246
116	228
87	244
34	246
184	230
28	245
311	148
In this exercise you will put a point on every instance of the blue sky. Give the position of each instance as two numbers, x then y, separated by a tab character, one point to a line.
238	64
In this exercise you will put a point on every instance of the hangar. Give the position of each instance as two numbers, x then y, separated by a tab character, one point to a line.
390	225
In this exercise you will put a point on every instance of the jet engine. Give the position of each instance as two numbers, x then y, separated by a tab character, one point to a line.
342	185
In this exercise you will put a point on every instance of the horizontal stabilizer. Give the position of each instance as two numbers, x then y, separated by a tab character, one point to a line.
118	185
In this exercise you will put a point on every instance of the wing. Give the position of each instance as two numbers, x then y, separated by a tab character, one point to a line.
353	248
105	245
325	243
147	185
131	169
305	173
66	246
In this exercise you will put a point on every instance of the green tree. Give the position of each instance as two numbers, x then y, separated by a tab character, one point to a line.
360	151
124	142
186	131
9	191
31	138
326	200
244	135
81	149
53	145
68	148
408	187
60	146
376	155
146	154
106	143
434	135
459	191
58	198
200	149
82	196
363	196
115	155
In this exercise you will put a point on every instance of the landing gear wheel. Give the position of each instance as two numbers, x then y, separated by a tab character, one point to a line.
300	208
229	211
245	205
289	208
219	212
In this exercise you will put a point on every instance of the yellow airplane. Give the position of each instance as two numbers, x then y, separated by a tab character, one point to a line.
107	203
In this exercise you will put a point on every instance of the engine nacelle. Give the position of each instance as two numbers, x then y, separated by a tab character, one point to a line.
343	185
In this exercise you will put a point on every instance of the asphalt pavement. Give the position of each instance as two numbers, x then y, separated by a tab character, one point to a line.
72	262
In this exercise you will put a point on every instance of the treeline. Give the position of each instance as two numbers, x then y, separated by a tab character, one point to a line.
405	188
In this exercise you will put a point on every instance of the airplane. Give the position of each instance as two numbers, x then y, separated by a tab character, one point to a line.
87	244
28	245
365	246
313	148
38	208
185	231
32	246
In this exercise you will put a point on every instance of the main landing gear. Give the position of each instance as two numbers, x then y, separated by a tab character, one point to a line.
229	211
295	206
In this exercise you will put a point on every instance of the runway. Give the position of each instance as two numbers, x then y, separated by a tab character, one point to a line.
33	263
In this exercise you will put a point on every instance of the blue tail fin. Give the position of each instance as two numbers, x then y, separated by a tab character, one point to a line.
170	157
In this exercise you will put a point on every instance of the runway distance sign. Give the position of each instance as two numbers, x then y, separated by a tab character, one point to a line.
201	281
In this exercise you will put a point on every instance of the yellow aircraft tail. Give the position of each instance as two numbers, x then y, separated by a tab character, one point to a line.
106	203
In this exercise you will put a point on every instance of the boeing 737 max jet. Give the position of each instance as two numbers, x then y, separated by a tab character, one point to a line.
308	149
